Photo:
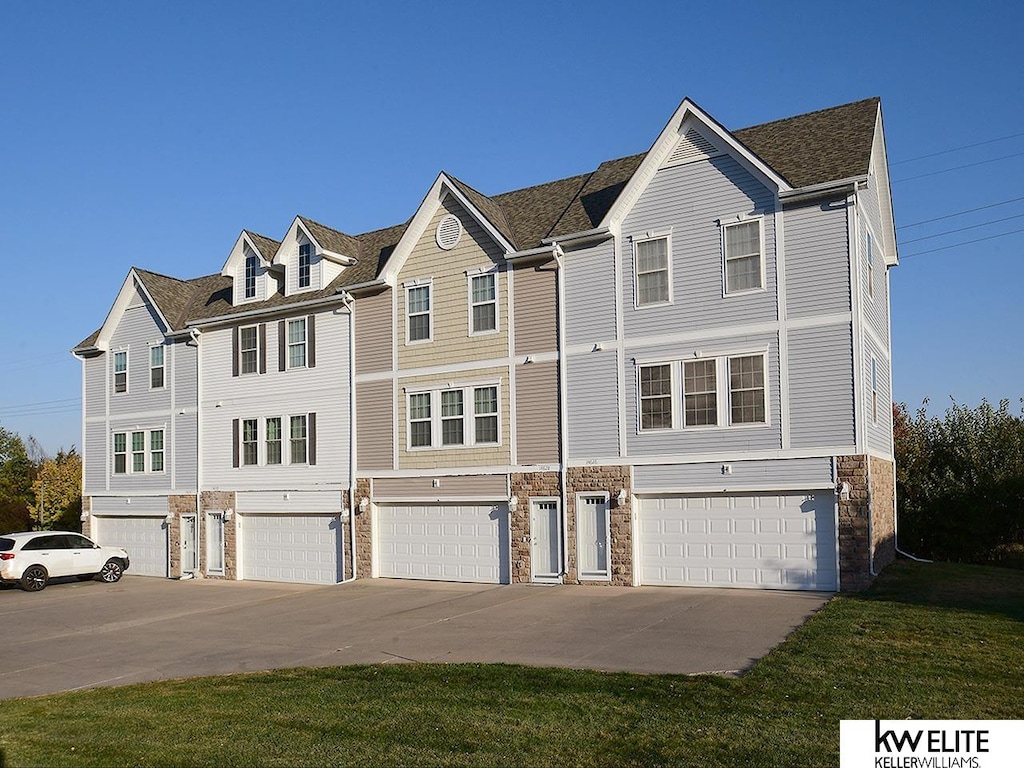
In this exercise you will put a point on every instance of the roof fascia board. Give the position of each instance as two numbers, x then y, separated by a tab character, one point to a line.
337	297
842	186
441	187
238	249
580	238
664	144
881	174
132	282
337	258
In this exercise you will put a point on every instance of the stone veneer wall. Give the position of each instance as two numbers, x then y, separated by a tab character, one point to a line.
526	486
867	520
219	501
364	533
87	523
606	479
177	506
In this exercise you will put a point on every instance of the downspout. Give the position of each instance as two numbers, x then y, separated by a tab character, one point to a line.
563	404
194	334
349	303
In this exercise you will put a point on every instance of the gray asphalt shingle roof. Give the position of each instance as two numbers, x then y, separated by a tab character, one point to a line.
814	148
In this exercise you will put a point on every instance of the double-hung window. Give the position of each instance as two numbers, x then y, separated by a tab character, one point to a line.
485	415
420	427
138	451
656	397
746	389
250	442
452	417
483	303
418	313
248	349
251	266
121	371
744	265
305	262
274	440
156	367
120	453
299	441
651	260
297	343
131	448
700	393
156	450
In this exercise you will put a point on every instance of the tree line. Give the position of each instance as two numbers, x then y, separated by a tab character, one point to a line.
37	491
960	483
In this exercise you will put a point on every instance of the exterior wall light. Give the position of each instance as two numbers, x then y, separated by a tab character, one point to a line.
621	498
513	503
364	504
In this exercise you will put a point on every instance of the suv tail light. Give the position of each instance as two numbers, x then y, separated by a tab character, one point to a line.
6	555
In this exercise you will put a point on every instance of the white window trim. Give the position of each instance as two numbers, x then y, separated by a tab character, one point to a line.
468	416
723	392
261	441
473	273
256	277
289	344
607	573
147	451
298	266
726	223
870	243
264	443
113	371
647	237
425	282
211	517
241	443
241	367
162	366
304	462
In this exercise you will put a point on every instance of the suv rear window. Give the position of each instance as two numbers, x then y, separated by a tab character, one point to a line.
6	545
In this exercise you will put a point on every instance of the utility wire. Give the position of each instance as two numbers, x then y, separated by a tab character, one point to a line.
960	167
961	229
41	402
960	213
967	242
957	149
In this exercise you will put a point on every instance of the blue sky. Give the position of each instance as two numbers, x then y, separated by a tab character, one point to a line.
150	134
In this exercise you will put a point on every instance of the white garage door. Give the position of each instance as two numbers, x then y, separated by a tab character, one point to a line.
444	542
300	548
145	538
777	541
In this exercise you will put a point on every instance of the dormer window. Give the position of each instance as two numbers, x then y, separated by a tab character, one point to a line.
250	276
305	259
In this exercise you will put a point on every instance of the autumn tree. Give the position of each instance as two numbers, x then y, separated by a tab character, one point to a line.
57	492
16	473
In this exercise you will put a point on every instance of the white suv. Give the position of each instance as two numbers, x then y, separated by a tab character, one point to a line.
32	559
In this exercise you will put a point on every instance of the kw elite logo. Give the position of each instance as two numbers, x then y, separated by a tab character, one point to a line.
930	743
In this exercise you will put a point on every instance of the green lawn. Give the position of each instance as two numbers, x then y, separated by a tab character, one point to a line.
929	641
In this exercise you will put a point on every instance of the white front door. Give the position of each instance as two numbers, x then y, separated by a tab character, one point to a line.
546	541
189	543
592	536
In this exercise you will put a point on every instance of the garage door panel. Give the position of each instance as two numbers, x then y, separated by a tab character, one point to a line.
443	542
145	538
788	543
292	548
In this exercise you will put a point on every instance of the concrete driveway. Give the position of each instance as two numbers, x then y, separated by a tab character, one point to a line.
88	634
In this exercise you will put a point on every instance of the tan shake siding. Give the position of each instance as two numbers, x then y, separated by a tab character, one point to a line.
373	333
453	487
374	435
535	311
468	456
537	413
450	295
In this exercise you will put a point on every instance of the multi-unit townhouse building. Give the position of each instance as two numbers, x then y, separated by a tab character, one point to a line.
672	370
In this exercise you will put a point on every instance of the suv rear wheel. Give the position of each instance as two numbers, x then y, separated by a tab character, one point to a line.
34	578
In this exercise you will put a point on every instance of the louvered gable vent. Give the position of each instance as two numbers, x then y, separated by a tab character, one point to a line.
449	232
692	146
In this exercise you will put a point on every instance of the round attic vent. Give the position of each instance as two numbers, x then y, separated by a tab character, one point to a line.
449	232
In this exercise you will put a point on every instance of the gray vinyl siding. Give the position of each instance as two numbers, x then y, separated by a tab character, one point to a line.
374	333
763	475
536	322
876	307
94	471
183	451
139	328
537	413
703	440
817	259
374	434
139	506
689	200
186	367
297	503
593	415
590	295
323	390
94	369
454	487
821	387
878	434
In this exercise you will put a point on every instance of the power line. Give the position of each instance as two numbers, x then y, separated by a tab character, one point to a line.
957	149
40	402
960	167
960	213
961	229
968	242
